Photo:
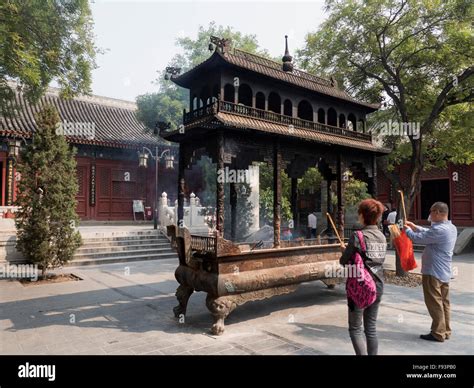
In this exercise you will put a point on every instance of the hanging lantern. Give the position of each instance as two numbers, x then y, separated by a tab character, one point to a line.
143	159
169	162
14	148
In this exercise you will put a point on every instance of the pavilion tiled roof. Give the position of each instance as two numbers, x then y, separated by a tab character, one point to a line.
273	69
241	121
115	121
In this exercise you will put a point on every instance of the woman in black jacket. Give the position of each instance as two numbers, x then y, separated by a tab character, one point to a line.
370	212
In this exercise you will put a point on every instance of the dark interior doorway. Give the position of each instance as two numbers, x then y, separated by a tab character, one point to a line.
433	191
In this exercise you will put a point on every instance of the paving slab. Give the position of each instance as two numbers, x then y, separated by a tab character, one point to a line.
119	310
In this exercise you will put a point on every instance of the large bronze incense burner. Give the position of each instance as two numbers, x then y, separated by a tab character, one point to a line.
232	275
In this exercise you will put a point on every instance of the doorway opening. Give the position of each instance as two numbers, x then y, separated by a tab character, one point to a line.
436	190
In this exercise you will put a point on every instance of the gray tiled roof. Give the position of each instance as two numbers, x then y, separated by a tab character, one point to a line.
273	69
115	121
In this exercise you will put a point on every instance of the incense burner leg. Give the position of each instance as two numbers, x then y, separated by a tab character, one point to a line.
183	293
220	308
331	283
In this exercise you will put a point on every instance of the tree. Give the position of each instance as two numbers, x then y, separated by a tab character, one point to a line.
168	103
208	169
45	40
417	55
310	181
266	194
266	207
354	190
46	218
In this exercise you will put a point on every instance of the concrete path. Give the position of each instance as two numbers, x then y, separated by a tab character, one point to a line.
126	308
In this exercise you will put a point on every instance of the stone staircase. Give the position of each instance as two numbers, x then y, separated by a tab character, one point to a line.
117	247
105	247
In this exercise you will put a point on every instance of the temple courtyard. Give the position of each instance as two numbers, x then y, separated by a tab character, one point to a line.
126	308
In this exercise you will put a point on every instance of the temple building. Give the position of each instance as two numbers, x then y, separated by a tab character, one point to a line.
108	137
453	185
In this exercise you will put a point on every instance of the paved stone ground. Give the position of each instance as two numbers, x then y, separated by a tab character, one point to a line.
110	312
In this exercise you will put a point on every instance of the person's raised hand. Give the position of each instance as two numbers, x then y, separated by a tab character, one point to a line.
410	224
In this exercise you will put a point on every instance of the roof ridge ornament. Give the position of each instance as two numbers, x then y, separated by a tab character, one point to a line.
333	81
171	72
287	58
222	44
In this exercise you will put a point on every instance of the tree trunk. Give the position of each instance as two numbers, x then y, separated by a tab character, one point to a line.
410	193
417	164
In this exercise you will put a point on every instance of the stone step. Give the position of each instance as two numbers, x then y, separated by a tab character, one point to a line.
101	248
104	246
87	240
102	242
99	242
122	259
135	252
113	233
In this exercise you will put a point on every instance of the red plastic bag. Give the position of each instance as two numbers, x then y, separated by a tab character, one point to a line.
404	247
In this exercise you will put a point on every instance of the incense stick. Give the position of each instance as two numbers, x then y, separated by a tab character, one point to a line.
334	227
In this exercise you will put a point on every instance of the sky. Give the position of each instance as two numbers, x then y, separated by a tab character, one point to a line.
139	37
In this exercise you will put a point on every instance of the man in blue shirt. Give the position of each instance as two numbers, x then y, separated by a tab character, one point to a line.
436	267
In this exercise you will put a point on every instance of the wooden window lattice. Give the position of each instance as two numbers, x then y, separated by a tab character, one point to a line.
104	178
462	185
80	180
123	189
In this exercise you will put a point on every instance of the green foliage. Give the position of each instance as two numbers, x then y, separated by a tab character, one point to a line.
266	207
209	176
354	191
311	180
208	199
47	218
165	107
454	139
266	194
266	180
45	40
378	46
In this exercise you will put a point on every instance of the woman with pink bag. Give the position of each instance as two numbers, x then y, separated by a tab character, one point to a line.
365	251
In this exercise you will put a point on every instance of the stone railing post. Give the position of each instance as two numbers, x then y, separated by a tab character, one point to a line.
161	209
192	208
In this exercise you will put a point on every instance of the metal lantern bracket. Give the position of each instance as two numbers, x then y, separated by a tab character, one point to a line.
143	162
